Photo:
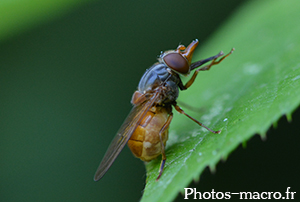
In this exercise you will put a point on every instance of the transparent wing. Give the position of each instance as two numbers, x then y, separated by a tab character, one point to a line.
128	127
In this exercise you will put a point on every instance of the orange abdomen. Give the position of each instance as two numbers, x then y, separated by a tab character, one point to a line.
145	141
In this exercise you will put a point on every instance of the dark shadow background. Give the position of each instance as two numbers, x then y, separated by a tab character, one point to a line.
65	89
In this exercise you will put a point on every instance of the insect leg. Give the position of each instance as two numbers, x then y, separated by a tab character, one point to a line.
207	67
199	123
163	154
214	62
201	62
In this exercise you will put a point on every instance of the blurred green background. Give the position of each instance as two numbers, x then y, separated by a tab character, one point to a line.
65	87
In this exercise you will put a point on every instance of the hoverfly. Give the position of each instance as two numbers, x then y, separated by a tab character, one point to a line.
145	129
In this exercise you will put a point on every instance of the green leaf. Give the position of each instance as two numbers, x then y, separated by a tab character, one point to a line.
243	95
19	15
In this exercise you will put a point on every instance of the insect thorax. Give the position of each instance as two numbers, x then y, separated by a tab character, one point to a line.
158	76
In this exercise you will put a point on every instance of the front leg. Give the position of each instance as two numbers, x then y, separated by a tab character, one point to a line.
207	67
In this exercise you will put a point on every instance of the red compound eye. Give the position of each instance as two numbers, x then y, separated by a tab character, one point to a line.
177	62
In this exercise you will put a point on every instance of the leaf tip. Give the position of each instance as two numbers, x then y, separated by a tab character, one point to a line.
196	180
275	124
182	192
244	144
263	136
212	169
224	158
289	117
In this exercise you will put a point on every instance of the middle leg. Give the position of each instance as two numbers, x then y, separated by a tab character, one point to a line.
199	123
